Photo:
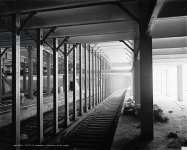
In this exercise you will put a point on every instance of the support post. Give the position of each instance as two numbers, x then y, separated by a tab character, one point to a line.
55	85
30	75
16	79
48	72
93	93
100	79
136	74
96	78
1	93
89	77
24	77
179	82
40	84
85	81
80	80
146	85
67	121
74	85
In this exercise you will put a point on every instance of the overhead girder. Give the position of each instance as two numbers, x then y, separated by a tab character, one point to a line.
10	7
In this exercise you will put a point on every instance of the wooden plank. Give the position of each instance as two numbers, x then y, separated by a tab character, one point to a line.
55	85
80	79
67	121
30	70
40	85
74	85
16	79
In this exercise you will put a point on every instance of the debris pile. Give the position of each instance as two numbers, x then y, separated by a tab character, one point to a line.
159	115
130	108
175	141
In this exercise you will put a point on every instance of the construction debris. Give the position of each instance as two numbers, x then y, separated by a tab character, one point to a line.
172	135
130	108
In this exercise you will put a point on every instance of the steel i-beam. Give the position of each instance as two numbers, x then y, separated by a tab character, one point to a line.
40	84
93	94
89	77
85	80
55	85
16	79
74	85
67	121
80	80
30	70
96	78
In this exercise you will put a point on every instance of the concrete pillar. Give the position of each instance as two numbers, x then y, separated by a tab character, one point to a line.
180	82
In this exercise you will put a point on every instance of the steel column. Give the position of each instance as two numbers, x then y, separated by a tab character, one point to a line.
55	85
89	77
80	80
100	90
16	79
74	85
24	77
93	94
146	92
67	121
96	78
48	72
40	84
85	81
1	93
30	75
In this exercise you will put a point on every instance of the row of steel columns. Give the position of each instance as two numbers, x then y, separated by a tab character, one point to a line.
95	69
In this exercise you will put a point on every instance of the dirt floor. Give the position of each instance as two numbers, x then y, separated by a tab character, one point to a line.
128	130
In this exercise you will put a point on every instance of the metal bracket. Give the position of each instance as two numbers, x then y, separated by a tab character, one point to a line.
127	45
128	12
75	45
4	51
26	21
65	40
52	30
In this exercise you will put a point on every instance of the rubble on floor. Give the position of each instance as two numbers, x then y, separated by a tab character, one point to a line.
130	108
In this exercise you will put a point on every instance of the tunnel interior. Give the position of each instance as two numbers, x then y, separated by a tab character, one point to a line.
103	74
